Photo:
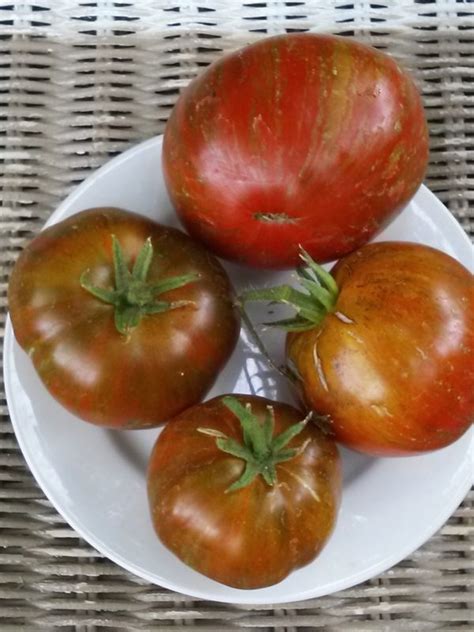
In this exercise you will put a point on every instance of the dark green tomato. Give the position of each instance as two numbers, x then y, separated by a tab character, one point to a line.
160	363
247	536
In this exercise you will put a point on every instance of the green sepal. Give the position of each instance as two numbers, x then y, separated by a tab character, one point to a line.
269	425
286	455
324	277
287	435
126	319
231	446
173	283
269	474
143	261
320	294
311	307
249	475
133	297
244	415
107	296
261	450
122	273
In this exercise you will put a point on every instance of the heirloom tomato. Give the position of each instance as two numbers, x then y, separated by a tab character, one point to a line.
304	139
243	490
127	322
383	347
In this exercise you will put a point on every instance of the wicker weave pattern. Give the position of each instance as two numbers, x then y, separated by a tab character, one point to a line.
81	81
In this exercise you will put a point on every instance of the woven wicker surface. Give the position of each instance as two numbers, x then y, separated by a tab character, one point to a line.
81	81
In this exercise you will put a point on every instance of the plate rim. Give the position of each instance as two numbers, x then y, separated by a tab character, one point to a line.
245	597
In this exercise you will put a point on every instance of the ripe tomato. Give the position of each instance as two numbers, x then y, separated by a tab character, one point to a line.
252	501
297	139
132	355
388	359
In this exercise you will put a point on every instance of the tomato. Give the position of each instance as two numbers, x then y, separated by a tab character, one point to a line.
388	359
122	346
243	490
296	139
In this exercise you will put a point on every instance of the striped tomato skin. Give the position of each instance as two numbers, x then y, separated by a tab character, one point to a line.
256	535
391	369
304	139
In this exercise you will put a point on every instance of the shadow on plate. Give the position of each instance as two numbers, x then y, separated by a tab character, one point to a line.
355	465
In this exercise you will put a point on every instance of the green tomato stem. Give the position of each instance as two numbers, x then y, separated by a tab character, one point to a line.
133	296
311	306
260	450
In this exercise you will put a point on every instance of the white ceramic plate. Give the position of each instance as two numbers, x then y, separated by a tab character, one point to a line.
96	478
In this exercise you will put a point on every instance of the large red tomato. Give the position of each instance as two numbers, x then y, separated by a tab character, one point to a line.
127	322
297	139
384	349
244	491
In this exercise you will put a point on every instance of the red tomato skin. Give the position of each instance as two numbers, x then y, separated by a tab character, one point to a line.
395	374
255	536
327	134
167	363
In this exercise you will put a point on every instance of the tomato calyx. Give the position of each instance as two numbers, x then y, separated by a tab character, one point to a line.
133	296
311	306
261	450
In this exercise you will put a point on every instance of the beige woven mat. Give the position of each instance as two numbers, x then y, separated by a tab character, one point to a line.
83	80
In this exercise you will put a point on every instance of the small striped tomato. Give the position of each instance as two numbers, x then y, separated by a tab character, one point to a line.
243	490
